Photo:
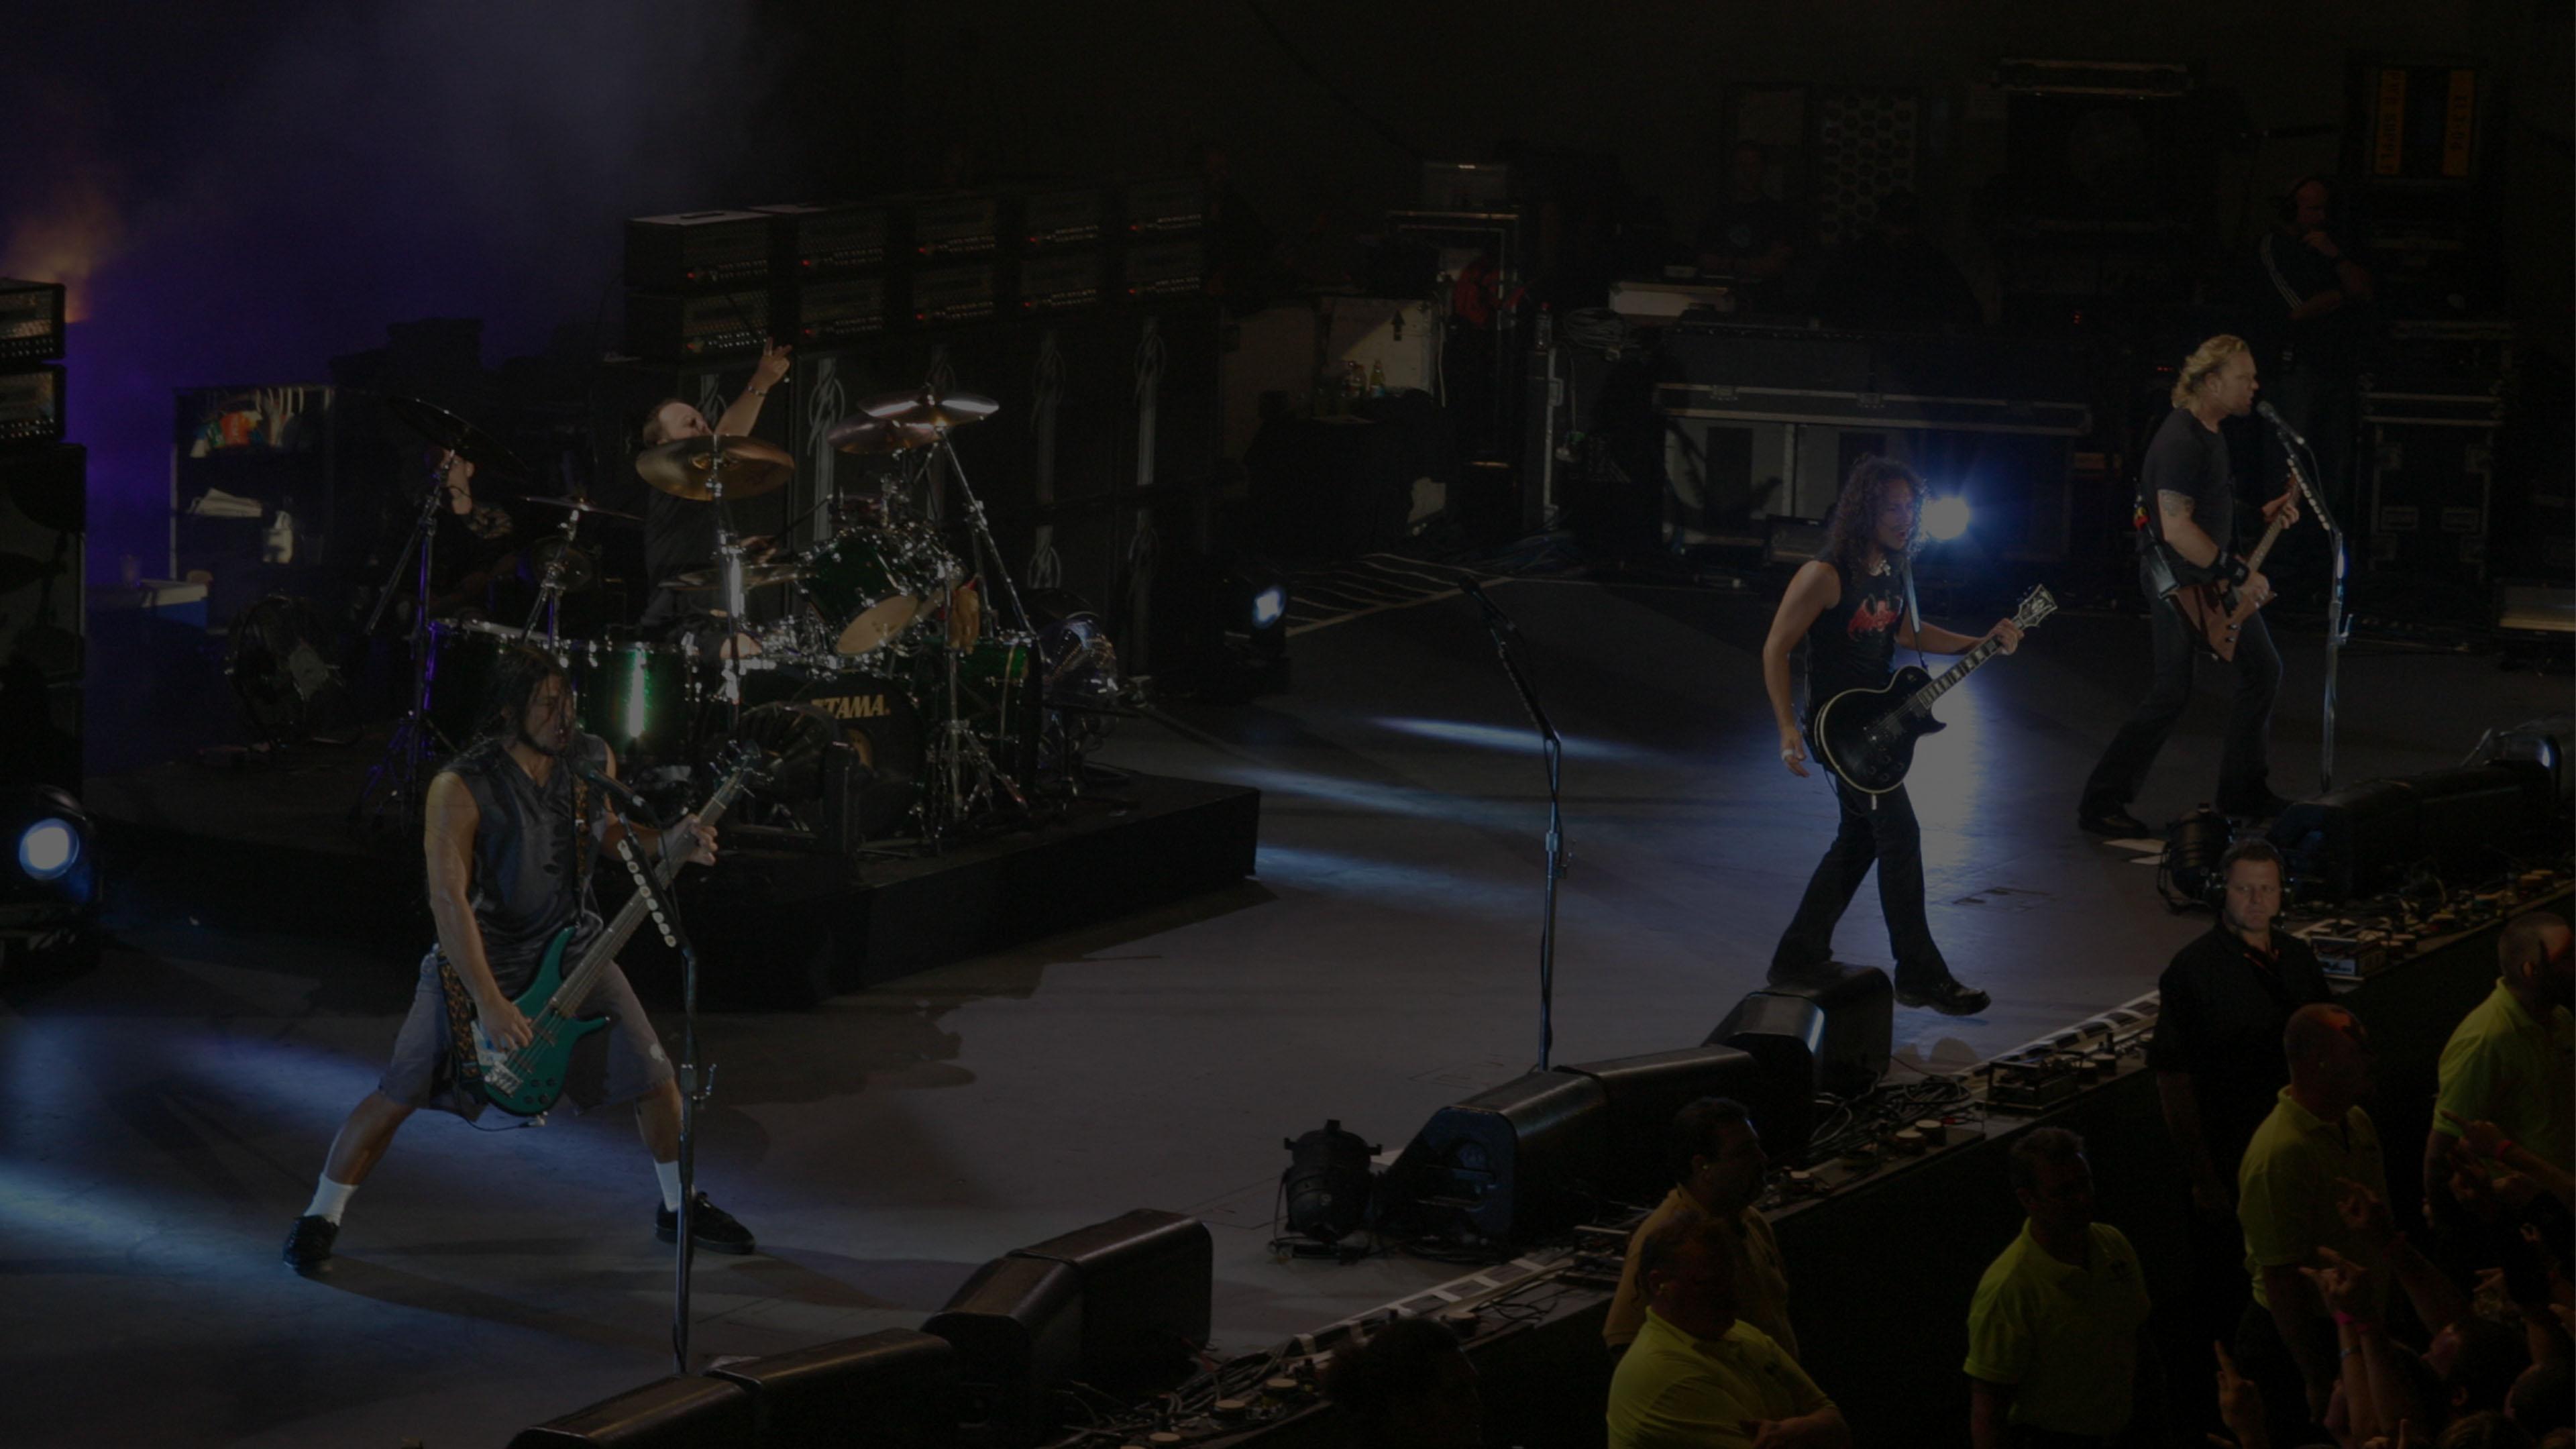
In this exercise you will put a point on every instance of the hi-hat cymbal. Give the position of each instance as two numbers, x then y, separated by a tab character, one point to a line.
584	505
753	576
751	467
445	430
927	409
867	436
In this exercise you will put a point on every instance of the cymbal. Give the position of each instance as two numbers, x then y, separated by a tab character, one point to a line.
584	505
867	436
927	409
753	576
751	467
446	430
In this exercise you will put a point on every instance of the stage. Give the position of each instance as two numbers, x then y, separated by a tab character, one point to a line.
170	1110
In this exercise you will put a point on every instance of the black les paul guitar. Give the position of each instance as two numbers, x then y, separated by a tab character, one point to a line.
1866	736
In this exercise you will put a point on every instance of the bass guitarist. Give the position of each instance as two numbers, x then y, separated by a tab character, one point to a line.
2189	523
510	833
1851	607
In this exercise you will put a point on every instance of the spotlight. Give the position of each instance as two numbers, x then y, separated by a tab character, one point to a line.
1945	518
48	849
1327	1186
1269	606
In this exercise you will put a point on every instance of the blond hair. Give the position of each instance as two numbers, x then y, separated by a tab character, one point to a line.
2205	359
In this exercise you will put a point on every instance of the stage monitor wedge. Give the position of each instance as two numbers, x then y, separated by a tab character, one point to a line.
893	1389
672	1413
1148	1279
1017	1328
1646	1093
1826	1033
1509	1164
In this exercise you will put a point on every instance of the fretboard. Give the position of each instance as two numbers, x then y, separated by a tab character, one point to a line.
1923	698
578	982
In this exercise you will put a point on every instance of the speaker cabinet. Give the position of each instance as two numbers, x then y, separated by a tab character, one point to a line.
1017	1328
673	1413
1645	1093
1516	1162
888	1390
1826	1034
1147	1281
2365	838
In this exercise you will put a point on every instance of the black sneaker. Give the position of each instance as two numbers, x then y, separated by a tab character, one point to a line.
1950	998
308	1243
2115	822
711	1227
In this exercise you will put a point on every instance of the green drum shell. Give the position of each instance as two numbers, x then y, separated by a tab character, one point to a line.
869	583
641	698
461	655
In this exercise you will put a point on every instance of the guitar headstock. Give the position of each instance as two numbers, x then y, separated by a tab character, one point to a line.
2036	605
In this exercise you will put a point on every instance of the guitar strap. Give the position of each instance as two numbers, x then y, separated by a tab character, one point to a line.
461	1055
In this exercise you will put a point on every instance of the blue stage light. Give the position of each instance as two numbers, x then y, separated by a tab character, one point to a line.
48	848
1945	518
1268	605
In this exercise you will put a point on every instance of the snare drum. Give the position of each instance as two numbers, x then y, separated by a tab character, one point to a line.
641	698
870	582
461	655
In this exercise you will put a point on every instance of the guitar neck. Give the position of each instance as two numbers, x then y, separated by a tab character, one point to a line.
630	916
1949	678
2280	520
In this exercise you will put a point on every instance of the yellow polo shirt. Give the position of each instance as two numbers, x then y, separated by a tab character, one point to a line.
1761	1290
1674	1391
2505	1066
2286	1193
2064	1335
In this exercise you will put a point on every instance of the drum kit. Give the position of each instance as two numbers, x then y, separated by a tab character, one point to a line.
912	697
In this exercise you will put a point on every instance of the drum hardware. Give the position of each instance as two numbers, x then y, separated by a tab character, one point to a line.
754	576
396	778
563	564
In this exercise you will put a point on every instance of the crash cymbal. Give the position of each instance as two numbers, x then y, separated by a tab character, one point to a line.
867	436
927	409
584	505
443	429
751	467
753	576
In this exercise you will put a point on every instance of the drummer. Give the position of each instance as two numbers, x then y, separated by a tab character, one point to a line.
680	533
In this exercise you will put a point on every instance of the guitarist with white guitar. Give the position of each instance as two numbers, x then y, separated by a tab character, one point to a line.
511	829
2188	527
1851	607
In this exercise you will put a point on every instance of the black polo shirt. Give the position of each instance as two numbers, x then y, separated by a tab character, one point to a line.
2224	1008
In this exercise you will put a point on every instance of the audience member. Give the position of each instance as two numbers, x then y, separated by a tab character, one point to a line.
2509	1060
1697	1374
2484	1431
2543	1399
1407	1385
2289	1192
1718	1164
2056	1332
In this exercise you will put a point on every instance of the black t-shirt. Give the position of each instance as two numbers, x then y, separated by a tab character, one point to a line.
1853	644
2223	1010
2289	272
2186	458
679	535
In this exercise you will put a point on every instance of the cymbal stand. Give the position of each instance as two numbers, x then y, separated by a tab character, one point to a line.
413	741
960	753
730	580
550	589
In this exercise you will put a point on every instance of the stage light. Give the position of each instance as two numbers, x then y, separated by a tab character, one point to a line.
48	848
1327	1184
1269	605
1945	518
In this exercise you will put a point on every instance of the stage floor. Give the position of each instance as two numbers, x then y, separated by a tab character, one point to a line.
168	1112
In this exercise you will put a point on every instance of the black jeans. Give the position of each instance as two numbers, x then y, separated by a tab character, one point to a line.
1877	829
2244	771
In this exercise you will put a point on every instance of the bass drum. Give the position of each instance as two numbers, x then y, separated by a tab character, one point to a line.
870	582
795	713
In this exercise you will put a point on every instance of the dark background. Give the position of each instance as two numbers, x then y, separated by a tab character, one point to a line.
239	192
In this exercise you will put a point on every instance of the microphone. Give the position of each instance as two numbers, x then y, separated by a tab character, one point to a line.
2272	415
626	797
1494	614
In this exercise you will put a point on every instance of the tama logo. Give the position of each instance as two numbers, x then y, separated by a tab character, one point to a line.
853	706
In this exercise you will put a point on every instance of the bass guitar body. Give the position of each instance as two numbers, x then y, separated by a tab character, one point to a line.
525	1083
1866	736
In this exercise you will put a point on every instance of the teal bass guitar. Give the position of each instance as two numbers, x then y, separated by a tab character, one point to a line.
526	1082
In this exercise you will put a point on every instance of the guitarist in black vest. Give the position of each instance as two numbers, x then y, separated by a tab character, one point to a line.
1852	608
2188	528
511	833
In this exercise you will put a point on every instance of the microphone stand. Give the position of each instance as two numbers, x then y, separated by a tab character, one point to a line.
2337	628
693	1090
1506	633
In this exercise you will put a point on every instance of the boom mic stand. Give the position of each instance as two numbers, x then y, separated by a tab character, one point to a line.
411	741
1506	634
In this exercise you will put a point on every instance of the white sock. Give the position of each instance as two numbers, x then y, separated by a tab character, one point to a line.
669	1172
330	1199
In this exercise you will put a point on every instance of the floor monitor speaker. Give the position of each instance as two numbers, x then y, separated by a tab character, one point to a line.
672	1413
1148	1278
1509	1164
1827	1032
892	1389
1646	1092
1017	1329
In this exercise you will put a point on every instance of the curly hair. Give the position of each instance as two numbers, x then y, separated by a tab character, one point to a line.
515	678
2205	359
1853	528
